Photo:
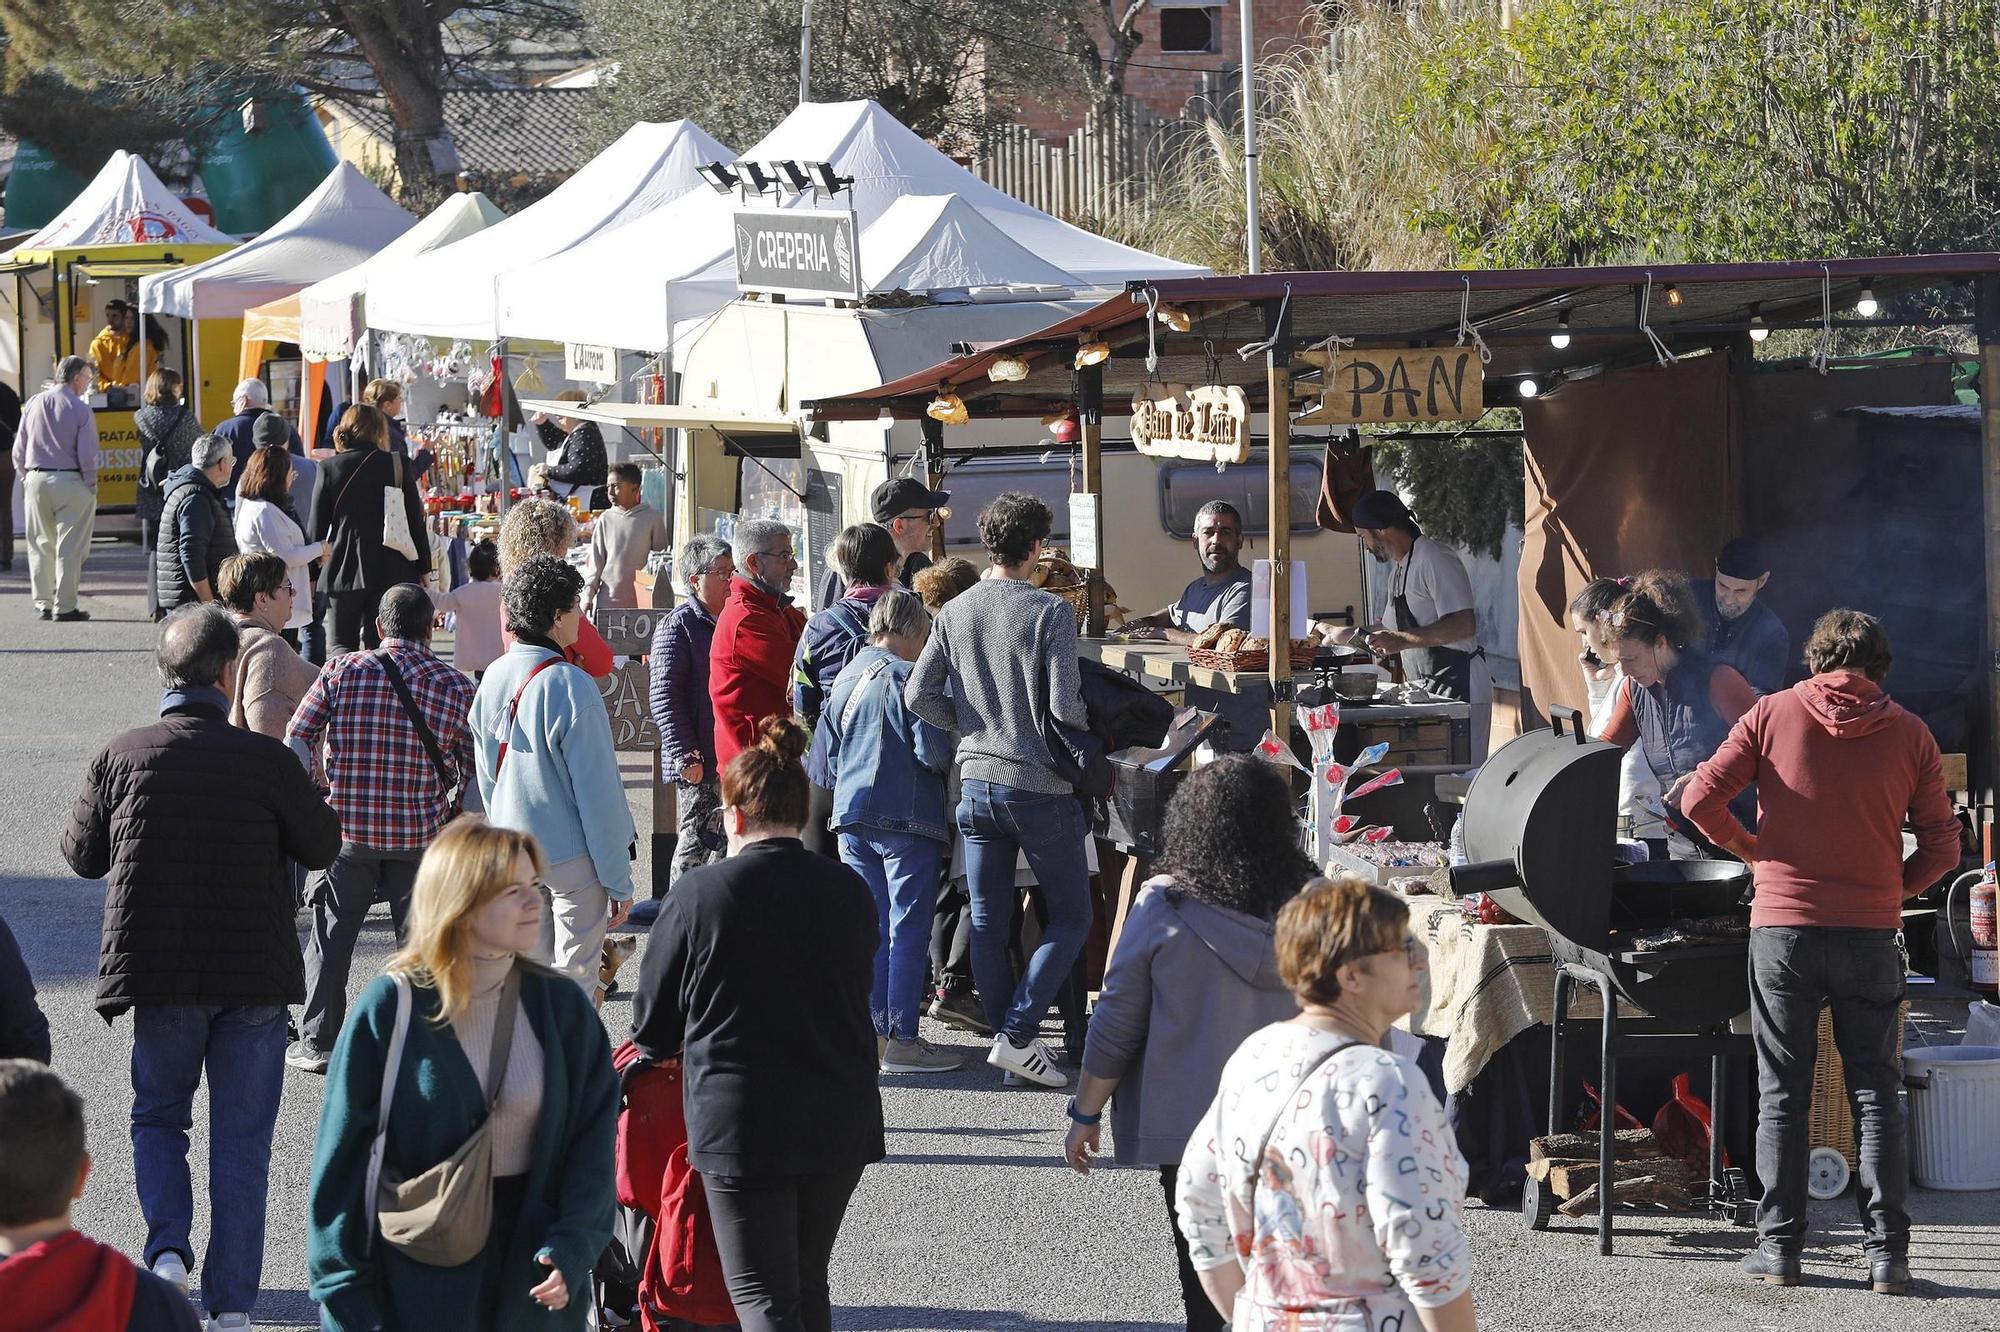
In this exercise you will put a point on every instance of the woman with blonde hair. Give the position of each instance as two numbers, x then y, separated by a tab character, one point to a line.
348	516
386	397
1322	1188
539	526
491	1043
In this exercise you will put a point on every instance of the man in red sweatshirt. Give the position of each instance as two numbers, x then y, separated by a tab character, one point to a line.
750	659
50	1275
1838	769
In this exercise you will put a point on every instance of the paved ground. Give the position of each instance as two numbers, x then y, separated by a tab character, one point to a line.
972	1222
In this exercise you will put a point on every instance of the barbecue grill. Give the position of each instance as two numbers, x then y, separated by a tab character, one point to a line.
1540	835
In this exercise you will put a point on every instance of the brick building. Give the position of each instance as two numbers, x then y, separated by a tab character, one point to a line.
1189	46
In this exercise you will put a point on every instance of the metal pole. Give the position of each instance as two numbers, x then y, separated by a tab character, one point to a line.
1090	416
1278	413
1251	225
805	51
1986	319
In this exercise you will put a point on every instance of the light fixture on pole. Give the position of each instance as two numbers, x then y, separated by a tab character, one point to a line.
829	181
755	177
1560	338
1759	330
719	177
797	180
1867	307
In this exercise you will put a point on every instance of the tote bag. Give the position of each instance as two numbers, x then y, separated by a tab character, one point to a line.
396	515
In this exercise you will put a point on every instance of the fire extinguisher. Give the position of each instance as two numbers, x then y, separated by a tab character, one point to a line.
1982	957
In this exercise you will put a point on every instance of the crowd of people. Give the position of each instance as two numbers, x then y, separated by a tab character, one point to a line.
880	805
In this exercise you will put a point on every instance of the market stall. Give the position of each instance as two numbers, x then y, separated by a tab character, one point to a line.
56	285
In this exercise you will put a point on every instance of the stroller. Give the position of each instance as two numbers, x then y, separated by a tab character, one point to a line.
661	1263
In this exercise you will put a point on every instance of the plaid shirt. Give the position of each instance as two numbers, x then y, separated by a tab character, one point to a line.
384	787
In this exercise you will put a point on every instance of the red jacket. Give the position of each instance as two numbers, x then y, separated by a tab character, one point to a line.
1838	768
750	665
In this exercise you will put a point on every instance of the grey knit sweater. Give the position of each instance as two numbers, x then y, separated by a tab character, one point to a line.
520	1107
994	649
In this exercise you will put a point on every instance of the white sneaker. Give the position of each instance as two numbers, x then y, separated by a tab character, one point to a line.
919	1056
169	1268
230	1322
1032	1061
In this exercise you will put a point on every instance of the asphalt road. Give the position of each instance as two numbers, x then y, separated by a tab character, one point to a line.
972	1222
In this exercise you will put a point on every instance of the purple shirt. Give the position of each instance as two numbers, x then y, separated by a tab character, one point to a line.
58	434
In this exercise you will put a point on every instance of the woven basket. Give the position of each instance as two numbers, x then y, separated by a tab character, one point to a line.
1831	1123
1258	659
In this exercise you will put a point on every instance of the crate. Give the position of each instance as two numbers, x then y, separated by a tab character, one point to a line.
1413	742
1831	1123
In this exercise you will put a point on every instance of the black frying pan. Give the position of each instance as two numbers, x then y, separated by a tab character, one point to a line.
1664	889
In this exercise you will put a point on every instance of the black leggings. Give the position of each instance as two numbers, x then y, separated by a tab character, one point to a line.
354	620
775	1237
1201	1314
819	812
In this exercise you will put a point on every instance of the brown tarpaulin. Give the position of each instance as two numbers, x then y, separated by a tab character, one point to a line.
1631	471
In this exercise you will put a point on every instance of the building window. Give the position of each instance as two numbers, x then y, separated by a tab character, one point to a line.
1185	487
1191	30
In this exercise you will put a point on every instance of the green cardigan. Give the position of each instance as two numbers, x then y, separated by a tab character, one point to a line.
570	1193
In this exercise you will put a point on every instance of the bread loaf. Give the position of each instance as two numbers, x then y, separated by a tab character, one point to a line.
1232	640
1211	635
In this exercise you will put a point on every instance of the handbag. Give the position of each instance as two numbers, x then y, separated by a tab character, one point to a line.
444	1216
396	515
452	791
1078	757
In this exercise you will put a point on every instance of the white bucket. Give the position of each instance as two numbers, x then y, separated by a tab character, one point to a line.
1954	1108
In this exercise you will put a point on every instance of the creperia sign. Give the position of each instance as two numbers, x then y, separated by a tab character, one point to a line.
798	252
1211	423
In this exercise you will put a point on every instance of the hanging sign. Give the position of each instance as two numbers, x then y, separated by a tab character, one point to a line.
592	365
798	252
1390	385
1211	423
1085	544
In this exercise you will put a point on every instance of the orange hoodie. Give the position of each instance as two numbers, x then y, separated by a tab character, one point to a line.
1838	768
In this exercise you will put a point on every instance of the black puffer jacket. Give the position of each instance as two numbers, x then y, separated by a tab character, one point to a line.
192	820
195	537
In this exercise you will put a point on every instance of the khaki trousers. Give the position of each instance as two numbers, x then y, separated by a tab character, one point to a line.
575	916
61	512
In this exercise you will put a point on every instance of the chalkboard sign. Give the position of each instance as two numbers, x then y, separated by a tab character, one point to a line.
624	694
628	630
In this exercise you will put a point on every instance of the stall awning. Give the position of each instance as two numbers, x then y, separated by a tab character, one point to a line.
130	269
666	416
20	266
1689	307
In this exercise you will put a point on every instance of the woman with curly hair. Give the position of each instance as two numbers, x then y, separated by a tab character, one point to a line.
1675	702
1195	972
537	526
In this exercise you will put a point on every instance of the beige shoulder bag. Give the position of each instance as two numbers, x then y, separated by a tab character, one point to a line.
442	1217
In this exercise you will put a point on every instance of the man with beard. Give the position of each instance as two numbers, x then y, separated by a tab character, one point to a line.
1220	596
1742	630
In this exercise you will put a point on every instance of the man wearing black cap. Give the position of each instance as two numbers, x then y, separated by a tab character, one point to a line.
909	509
1742	630
1430	620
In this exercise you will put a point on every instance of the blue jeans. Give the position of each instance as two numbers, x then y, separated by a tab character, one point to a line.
1000	823
243	1052
902	871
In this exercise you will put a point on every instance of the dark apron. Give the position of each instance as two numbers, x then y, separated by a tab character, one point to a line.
1451	668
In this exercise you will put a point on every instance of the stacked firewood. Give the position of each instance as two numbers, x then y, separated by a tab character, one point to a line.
1640	1171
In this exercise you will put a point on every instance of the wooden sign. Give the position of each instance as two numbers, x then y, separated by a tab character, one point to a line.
1391	385
1211	423
624	694
628	630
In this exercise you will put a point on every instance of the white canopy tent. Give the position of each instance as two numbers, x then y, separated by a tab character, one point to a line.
677	265
124	204
331	317
451	294
338	225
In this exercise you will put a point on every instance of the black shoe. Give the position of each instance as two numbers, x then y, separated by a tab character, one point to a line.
1767	1262
1889	1276
306	1057
72	616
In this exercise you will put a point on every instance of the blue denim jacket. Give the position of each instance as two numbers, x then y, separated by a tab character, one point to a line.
889	764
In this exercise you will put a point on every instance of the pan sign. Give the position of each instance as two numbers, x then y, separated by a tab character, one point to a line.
1211	423
1378	387
797	252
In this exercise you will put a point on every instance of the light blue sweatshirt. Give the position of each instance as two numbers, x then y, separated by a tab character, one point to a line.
560	781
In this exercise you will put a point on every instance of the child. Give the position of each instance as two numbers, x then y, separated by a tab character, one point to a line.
476	638
51	1275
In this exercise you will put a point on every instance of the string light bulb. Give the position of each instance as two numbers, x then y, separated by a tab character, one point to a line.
1008	370
1529	388
1092	351
947	407
1759	330
1867	307
1674	296
1560	338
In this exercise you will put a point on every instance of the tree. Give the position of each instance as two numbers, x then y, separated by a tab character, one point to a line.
1101	36
936	65
407	52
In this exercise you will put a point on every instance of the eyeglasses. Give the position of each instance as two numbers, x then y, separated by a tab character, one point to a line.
1412	950
924	516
